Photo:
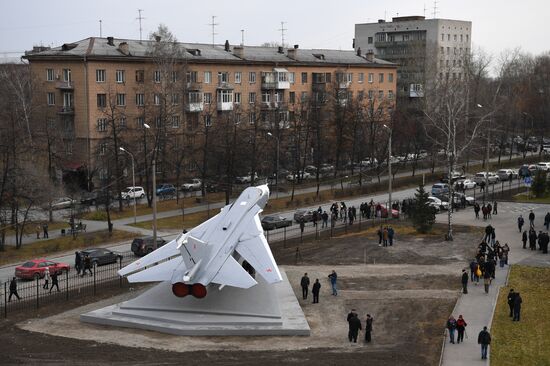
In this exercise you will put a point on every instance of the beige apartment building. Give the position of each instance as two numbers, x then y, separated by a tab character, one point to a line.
94	85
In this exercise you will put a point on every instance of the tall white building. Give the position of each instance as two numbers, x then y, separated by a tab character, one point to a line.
422	48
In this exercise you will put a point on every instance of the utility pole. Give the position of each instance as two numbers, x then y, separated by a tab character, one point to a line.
100	29
154	204
282	30
242	37
389	172
140	18
213	25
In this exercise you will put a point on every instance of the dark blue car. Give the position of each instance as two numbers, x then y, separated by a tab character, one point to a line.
166	190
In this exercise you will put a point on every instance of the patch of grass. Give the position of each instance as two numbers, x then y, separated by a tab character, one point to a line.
526	198
176	222
526	342
53	246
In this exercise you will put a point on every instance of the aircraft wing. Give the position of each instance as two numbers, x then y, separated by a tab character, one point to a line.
171	270
255	250
233	274
166	251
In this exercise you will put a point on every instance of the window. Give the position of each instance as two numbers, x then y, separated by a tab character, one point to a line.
176	121
238	77
140	100
455	51
371	94
122	122
266	97
454	63
102	148
50	75
291	77
279	96
442	36
448	37
252	98
442	50
207	98
390	77
369	40
100	76
207	77
102	124
252	118
140	76
251	77
68	147
361	94
303	97
192	76
67	75
238	98
103	174
140	121
461	38
380	94
120	77
225	96
361	77
156	76
467	37
156	99
223	77
101	101
158	122
381	78
448	50
121	100
304	78
174	76
237	118
51	98
207	120
371	77
455	38
194	97
175	99
292	97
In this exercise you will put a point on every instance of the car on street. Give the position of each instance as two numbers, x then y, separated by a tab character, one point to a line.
144	245
457	199
546	149
468	183
384	213
245	179
35	268
482	176
543	166
454	177
440	188
505	174
166	190
436	202
311	169
275	222
62	203
306	215
131	192
326	168
194	184
97	197
304	176
100	256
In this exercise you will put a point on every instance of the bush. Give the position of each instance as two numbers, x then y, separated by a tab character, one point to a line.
538	185
423	215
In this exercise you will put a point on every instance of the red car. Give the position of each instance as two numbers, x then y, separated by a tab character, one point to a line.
35	268
384	213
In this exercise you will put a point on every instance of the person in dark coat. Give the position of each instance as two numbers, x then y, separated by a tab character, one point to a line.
532	239
521	221
55	282
368	328
302	225
495	209
547	220
524	239
511	298
460	328
333	277
315	291
484	339
77	262
532	219
464	281
380	235
87	266
476	210
517	307
305	285
13	289
354	327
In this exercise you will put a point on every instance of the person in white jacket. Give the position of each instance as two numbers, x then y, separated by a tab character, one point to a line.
46	278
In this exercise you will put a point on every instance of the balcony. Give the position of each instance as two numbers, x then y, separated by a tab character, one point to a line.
194	107
66	110
275	80
385	44
65	85
225	106
224	85
274	105
416	91
194	85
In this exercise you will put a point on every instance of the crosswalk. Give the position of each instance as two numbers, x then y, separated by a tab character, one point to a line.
518	208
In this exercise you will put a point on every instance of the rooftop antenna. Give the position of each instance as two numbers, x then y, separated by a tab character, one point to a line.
100	29
213	25
282	30
435	9
385	11
424	10
242	37
140	18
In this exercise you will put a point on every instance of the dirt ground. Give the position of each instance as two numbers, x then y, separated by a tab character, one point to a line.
410	289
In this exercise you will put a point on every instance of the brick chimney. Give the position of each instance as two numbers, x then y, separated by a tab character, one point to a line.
111	41
292	52
124	48
359	52
238	51
226	46
370	56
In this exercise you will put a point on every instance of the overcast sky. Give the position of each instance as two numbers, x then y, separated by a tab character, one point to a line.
497	24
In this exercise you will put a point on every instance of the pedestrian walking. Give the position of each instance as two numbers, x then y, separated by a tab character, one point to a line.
351	314
464	281
476	210
532	219
333	278
547	221
13	289
380	235
486	281
524	239
38	230
484	339
302	225
324	217
368	328
87	266
451	327
489	211
385	237
305	285
517	307
391	234
315	291
521	221
354	328
473	271
46	278
495	209
54	282
314	218
45	230
460	328
510	299
77	262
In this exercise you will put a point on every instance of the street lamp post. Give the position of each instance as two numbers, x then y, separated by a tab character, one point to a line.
486	159
153	166
133	180
389	172
277	166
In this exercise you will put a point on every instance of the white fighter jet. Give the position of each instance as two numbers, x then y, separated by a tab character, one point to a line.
210	253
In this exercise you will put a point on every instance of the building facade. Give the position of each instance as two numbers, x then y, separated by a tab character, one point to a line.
99	91
422	48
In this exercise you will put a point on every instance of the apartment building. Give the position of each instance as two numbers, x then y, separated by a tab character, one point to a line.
97	84
422	48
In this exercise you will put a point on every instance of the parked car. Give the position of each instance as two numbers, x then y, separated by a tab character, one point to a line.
62	203
436	202
166	190
311	169
546	149
326	168
101	256
35	268
439	188
306	215
144	245
454	177
468	183
457	199
527	170
544	166
194	184
97	197
303	175
505	174
384	213
131	192
275	222
246	179
483	176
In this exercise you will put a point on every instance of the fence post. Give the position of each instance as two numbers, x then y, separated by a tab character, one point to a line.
67	285
37	291
284	237
94	279
120	267
5	300
316	232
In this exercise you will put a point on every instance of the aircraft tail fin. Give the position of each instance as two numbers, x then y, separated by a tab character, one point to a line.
233	274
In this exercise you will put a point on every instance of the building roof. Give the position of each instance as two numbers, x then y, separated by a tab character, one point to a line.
114	48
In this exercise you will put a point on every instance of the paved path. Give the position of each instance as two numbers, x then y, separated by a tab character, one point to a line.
476	306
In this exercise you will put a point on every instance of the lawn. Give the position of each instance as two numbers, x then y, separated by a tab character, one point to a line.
526	198
526	342
45	248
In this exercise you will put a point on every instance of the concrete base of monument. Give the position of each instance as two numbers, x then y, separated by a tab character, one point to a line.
260	310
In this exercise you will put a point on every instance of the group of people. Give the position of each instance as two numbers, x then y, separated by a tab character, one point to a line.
42	229
53	276
354	324
531	236
385	236
316	288
82	264
487	210
459	325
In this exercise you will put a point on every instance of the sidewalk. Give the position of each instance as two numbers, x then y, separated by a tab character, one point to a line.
477	307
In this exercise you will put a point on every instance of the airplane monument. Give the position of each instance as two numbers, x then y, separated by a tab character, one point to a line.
220	278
